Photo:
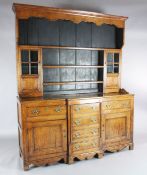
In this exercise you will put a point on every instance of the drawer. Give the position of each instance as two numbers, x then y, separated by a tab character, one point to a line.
85	145
86	108
90	132
120	104
82	120
46	110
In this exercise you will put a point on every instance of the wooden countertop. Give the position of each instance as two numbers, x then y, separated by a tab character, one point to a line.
74	96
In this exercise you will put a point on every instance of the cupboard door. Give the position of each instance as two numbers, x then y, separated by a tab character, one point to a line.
47	138
113	64
116	128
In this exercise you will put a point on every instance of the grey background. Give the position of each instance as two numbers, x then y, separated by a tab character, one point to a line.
134	77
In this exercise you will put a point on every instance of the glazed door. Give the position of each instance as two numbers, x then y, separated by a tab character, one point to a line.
47	138
113	64
115	128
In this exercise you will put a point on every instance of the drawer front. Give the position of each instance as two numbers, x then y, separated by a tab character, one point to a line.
92	131
85	145
86	108
120	104
46	110
85	120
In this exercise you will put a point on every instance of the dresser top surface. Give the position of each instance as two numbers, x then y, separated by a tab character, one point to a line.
75	96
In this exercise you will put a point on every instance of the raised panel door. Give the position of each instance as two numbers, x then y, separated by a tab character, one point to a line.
47	138
116	129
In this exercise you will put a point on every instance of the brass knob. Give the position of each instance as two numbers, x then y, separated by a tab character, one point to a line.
35	111
77	122
58	109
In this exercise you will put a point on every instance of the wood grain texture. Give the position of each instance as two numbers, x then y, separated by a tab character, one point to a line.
72	129
24	11
63	128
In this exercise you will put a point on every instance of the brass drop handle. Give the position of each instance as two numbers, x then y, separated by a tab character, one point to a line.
35	111
94	144
77	135
77	146
77	122
93	119
58	109
77	108
108	106
93	132
93	107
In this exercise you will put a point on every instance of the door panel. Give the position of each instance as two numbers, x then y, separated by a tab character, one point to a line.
116	127
47	138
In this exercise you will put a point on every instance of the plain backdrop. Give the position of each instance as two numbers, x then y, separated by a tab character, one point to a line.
134	80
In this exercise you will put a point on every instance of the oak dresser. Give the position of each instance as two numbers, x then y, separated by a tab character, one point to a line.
70	102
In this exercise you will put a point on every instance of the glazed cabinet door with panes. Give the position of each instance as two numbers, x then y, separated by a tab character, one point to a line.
113	63
29	71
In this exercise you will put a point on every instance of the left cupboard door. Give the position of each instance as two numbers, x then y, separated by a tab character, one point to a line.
47	140
29	71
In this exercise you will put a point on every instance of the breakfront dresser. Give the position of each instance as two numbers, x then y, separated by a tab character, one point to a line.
70	102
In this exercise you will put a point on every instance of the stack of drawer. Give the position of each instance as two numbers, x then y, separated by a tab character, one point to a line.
85	121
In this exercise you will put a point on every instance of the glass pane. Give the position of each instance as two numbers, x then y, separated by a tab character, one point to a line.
100	58
116	68
34	56
116	57
25	68
24	55
100	74
110	57
110	69
34	68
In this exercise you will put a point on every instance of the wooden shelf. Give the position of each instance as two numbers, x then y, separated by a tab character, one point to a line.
66	47
27	62
110	63
51	67
64	83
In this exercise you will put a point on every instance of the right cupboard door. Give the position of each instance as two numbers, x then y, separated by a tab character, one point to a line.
116	130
